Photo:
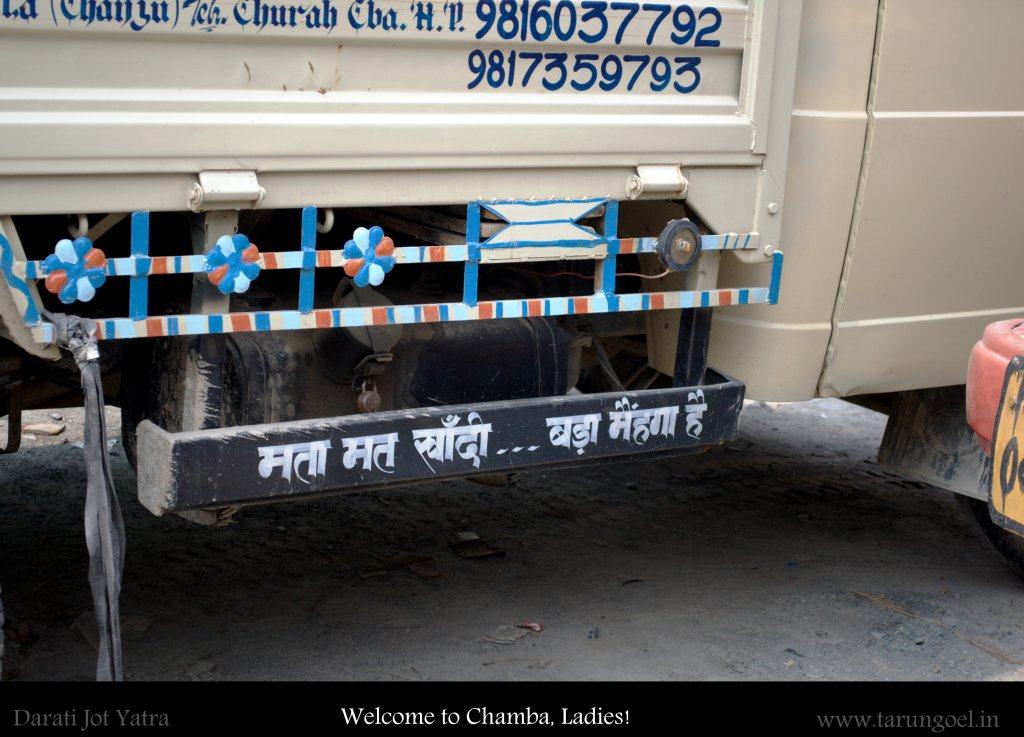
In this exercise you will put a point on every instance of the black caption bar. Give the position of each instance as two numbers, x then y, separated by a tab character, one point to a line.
550	708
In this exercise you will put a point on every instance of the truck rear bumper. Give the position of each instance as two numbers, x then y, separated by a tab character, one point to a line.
277	462
986	372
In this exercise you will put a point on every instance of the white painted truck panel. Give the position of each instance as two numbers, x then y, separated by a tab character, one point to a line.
902	201
779	351
934	252
118	104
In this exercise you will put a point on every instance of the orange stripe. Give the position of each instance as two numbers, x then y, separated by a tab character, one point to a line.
431	313
534	307
323	258
485	310
380	315
580	305
323	319
269	261
657	301
724	299
240	323
437	253
158	265
627	245
154	327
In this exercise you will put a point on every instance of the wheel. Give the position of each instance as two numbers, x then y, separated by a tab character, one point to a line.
1009	545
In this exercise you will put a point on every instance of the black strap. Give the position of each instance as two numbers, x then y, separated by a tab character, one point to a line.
104	527
2	636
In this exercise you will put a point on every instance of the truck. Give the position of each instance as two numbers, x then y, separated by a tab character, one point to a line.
322	246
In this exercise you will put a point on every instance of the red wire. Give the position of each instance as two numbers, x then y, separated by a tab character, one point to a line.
545	274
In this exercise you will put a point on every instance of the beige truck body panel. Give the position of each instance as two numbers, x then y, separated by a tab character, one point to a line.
857	135
902	201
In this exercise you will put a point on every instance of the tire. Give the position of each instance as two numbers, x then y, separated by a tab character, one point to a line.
152	389
1009	545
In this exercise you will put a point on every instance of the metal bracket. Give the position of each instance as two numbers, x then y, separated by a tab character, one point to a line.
373	365
225	190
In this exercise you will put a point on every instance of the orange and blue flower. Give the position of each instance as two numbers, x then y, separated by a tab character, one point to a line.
368	256
232	264
75	270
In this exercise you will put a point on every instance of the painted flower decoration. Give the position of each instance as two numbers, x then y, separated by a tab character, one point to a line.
368	256
75	270
232	264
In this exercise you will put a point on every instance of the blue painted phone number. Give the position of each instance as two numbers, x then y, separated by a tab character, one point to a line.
497	69
540	20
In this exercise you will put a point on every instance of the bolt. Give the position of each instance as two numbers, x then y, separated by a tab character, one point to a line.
683	246
773	208
768	249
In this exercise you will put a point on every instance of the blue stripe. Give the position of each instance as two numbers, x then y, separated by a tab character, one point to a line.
611	219
138	286
499	310
172	326
418	313
776	284
705	299
262	321
307	275
216	323
744	296
470	277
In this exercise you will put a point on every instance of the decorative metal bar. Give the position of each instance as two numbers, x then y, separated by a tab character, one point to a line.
403	255
244	322
138	288
471	274
307	279
534	231
604	272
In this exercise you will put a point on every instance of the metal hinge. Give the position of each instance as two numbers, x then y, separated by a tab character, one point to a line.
225	190
657	180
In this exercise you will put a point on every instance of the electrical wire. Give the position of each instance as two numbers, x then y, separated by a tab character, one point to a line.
547	274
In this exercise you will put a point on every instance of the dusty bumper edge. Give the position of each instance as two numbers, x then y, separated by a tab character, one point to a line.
986	372
283	461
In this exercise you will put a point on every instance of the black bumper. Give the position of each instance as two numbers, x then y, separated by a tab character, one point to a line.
276	462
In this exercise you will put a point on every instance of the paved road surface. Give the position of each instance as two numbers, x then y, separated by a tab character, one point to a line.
785	556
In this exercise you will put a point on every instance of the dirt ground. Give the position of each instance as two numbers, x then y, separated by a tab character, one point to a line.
788	555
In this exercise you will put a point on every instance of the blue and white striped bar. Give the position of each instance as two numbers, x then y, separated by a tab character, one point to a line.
243	322
144	266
